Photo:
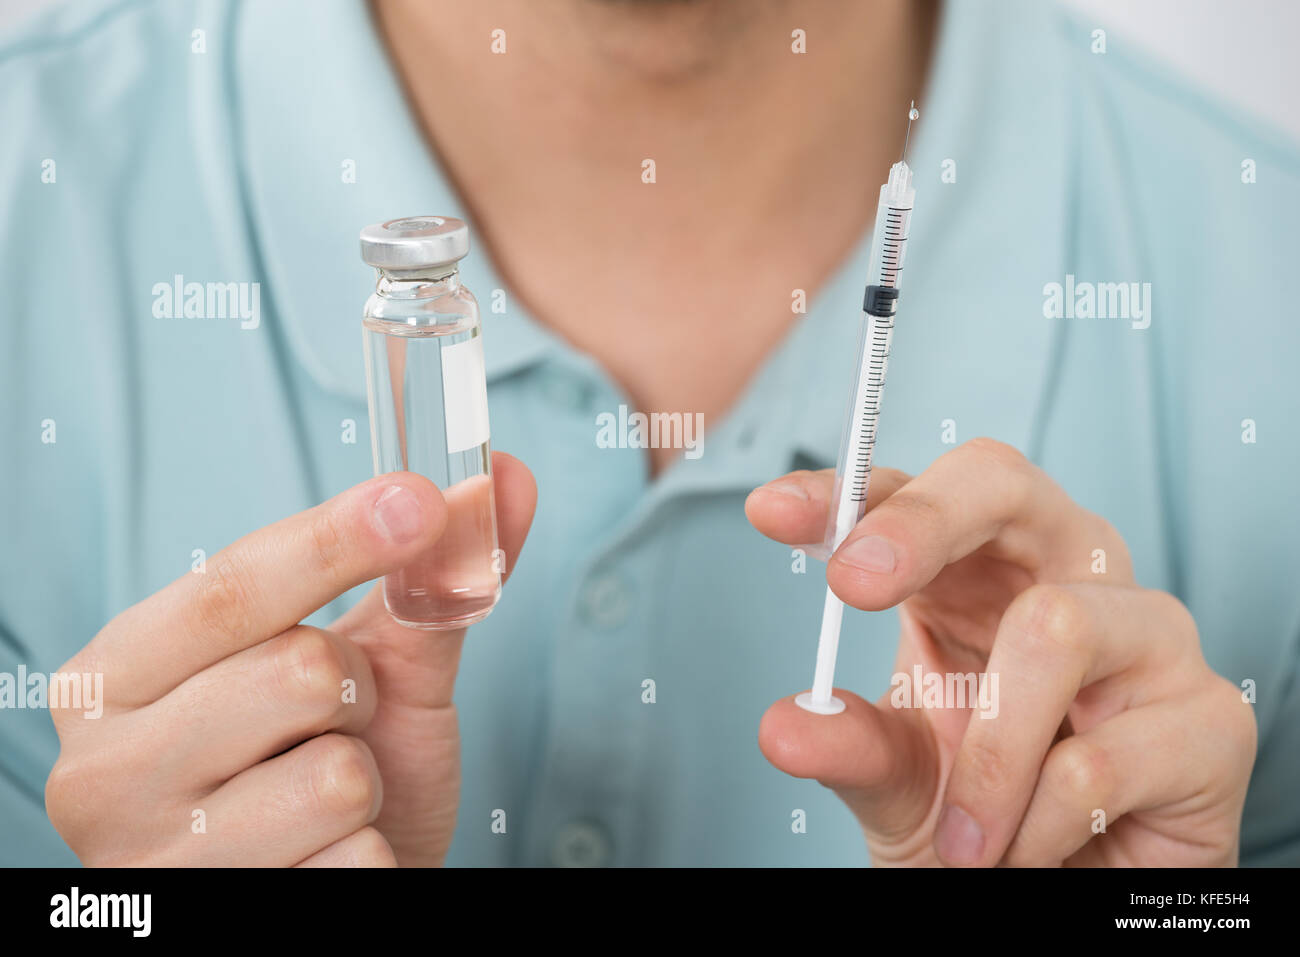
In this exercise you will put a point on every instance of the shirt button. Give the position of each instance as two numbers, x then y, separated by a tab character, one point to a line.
581	844
606	601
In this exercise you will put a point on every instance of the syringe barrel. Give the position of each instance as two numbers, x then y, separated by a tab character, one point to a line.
889	239
884	276
858	439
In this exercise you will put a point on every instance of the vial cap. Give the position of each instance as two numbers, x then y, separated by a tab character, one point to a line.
415	242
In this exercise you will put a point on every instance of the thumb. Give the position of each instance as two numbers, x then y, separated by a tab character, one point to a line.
882	762
418	668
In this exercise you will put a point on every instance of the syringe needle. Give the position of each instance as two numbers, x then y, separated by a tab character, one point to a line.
912	113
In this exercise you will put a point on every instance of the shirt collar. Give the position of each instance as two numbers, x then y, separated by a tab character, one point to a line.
972	241
314	94
970	325
980	249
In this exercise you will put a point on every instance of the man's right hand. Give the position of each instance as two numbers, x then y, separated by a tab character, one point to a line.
285	737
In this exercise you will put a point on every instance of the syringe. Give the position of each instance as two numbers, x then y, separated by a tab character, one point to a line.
853	472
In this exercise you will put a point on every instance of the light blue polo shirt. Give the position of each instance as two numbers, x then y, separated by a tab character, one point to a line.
1037	162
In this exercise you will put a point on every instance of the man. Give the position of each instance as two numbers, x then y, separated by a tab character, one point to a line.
656	189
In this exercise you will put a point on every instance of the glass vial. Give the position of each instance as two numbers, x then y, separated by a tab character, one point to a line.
427	394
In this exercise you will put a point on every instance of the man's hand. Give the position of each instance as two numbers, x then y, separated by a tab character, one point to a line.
1105	700
298	745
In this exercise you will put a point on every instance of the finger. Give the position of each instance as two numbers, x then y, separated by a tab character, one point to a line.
881	761
795	508
366	848
420	669
1174	752
286	809
982	493
1053	641
258	703
516	502
265	583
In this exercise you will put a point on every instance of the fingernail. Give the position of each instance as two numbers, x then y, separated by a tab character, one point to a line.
398	515
958	838
792	489
872	554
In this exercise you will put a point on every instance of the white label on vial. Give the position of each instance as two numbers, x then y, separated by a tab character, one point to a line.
464	395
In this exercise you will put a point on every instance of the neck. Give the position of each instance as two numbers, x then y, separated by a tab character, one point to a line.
767	162
740	128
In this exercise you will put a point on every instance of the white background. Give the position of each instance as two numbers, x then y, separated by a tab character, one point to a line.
1246	51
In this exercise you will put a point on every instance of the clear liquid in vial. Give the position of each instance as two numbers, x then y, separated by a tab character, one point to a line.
458	581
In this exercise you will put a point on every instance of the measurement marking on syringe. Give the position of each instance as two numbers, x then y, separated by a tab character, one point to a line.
873	382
